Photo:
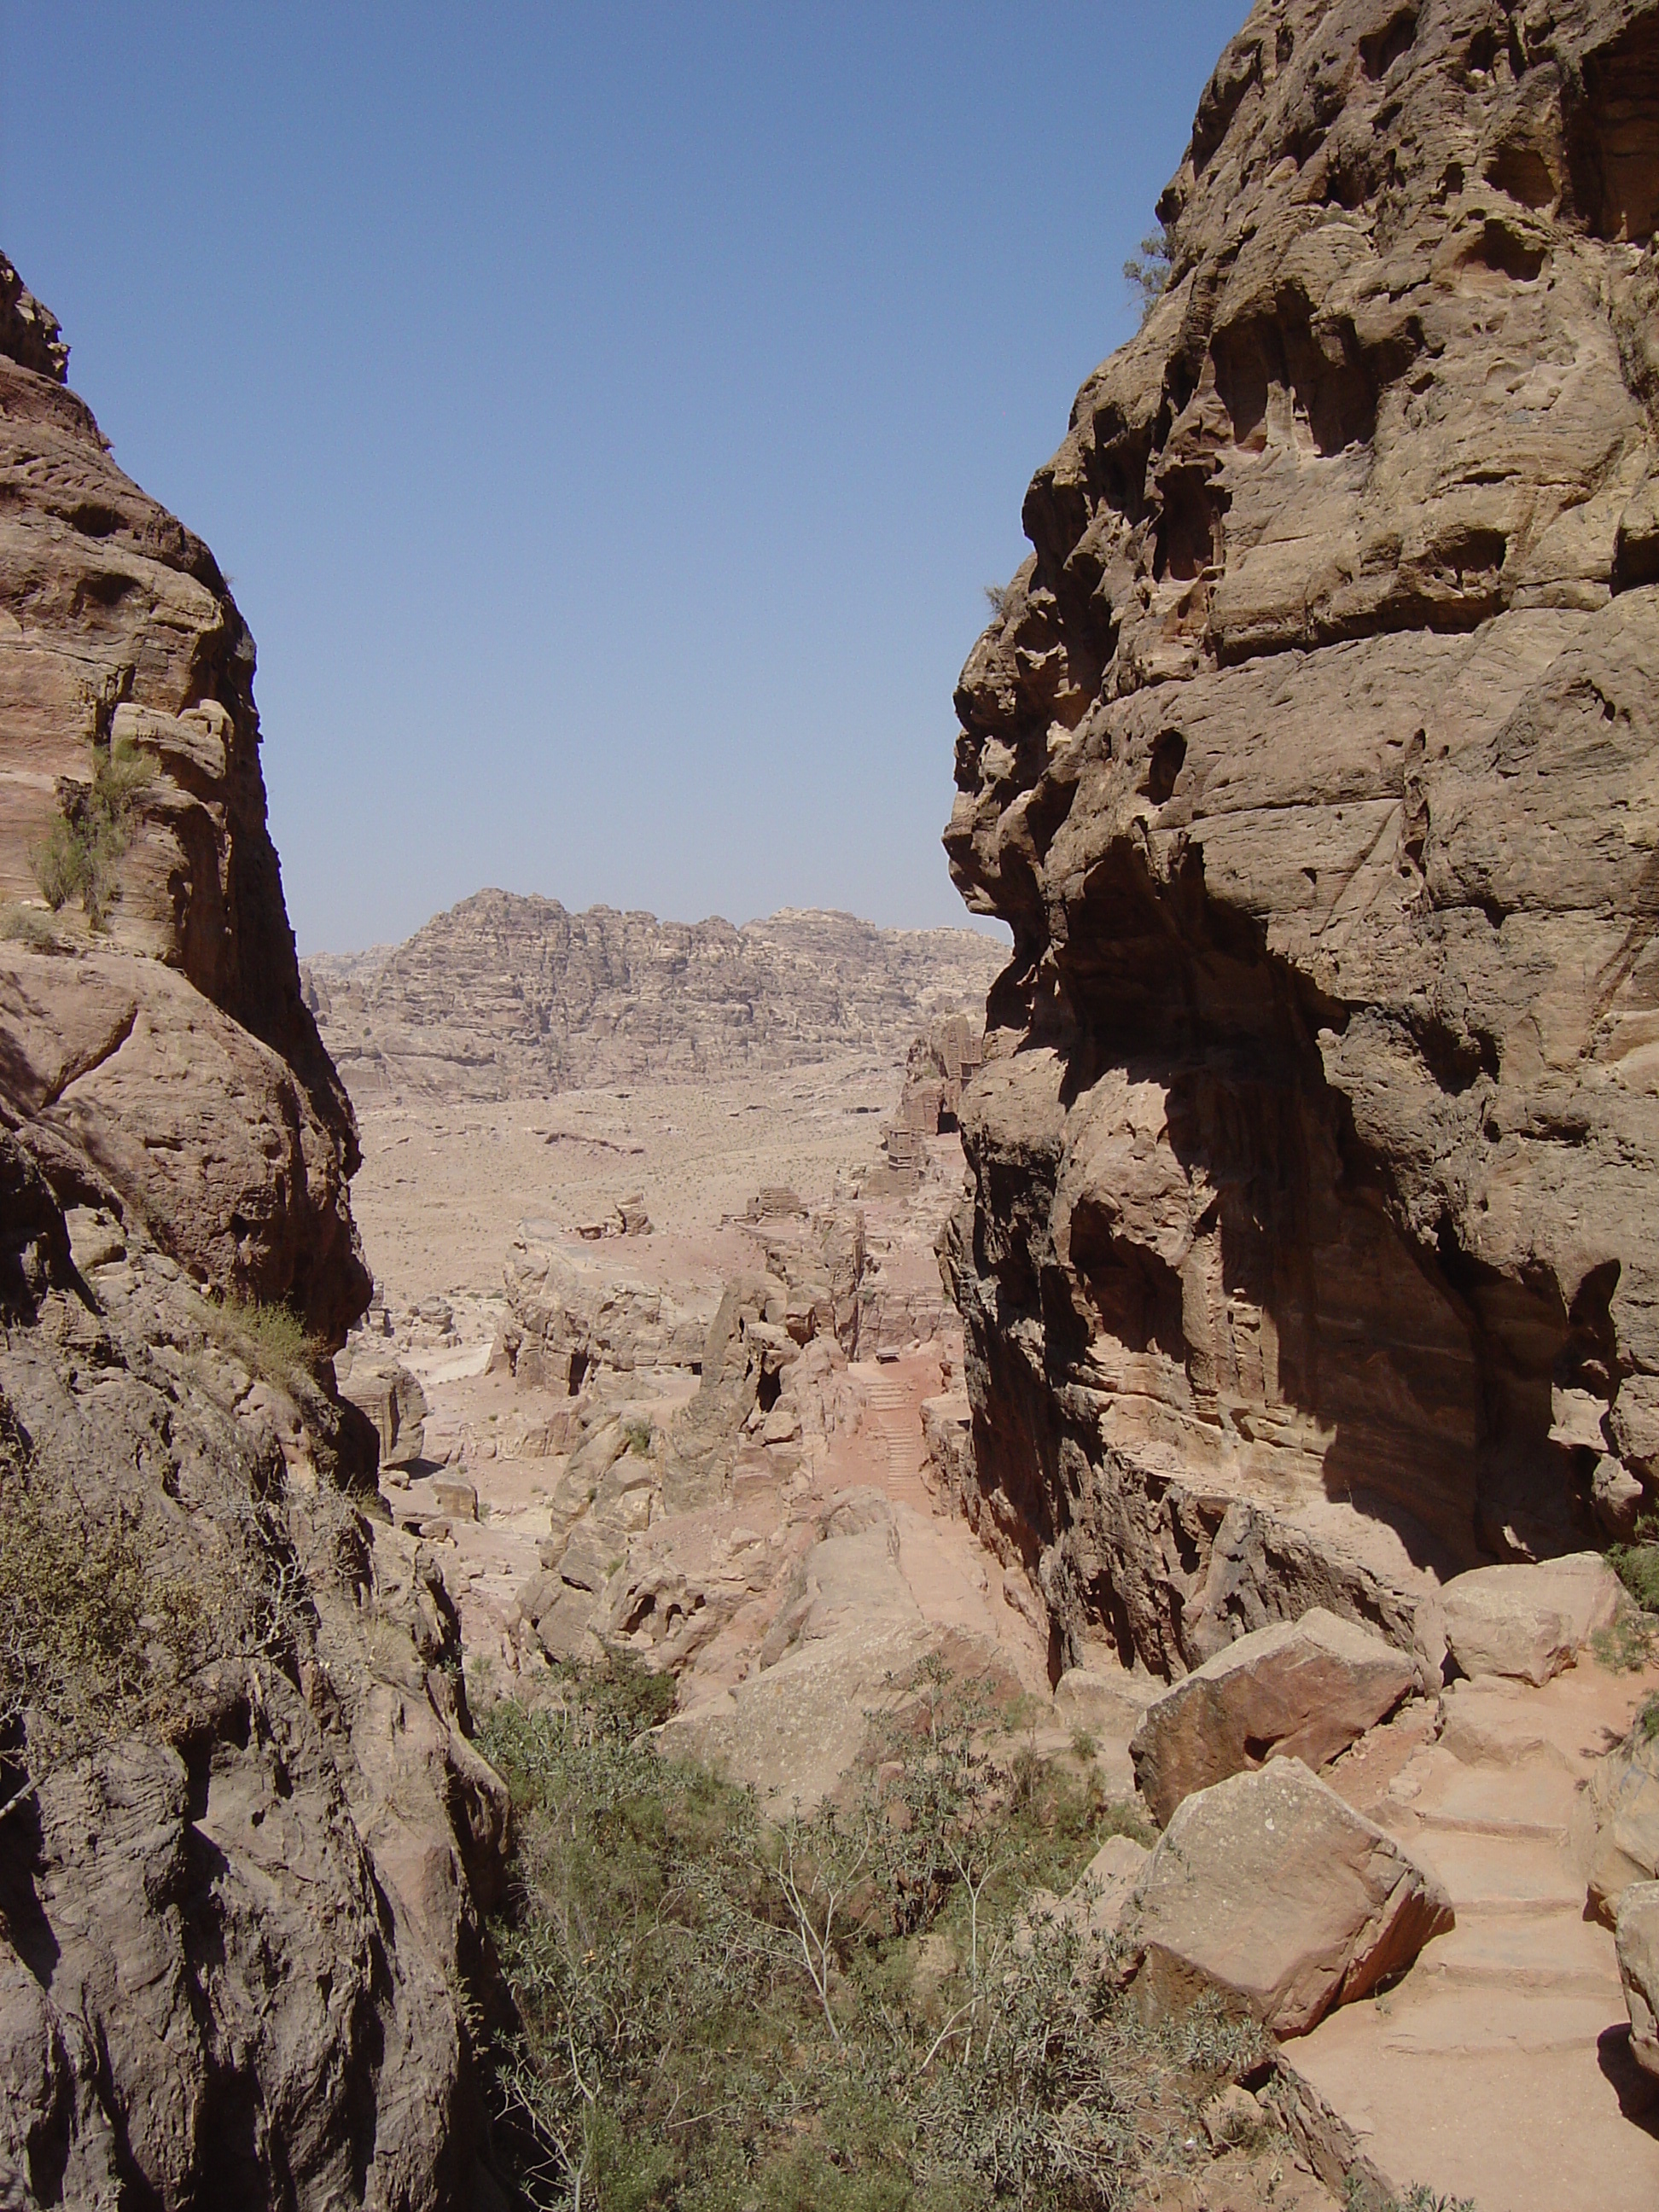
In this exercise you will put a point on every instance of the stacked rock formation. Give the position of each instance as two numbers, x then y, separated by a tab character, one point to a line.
244	1841
505	997
1311	758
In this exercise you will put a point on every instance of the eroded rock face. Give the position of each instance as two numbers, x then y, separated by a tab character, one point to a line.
553	999
246	1843
166	1063
1619	1822
1311	759
1637	1934
240	1900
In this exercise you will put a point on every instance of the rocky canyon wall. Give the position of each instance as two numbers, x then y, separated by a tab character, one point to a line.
1311	1250
245	1844
165	1064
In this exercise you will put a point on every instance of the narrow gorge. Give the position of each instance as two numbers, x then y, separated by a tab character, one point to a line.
652	1565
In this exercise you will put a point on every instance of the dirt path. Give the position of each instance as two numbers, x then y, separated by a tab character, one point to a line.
1499	2068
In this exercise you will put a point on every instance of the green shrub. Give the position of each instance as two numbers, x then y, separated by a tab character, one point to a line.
1626	1645
1636	1564
850	2010
80	856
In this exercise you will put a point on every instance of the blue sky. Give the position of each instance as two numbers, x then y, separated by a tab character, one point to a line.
608	415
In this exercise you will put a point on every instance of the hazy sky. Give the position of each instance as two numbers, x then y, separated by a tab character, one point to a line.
608	415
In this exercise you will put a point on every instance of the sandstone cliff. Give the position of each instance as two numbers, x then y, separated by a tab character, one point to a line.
165	1062
1312	758
508	997
244	1841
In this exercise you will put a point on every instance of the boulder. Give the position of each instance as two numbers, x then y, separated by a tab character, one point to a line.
1529	1622
1636	1934
1271	1889
1620	1811
796	1731
1303	1689
1108	1882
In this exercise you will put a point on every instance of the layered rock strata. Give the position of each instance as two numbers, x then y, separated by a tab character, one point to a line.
508	997
1311	758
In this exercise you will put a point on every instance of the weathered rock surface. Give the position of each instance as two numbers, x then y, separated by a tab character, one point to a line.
1110	1705
554	998
169	1065
1303	1689
1638	1936
1528	1621
245	1892
246	1843
1618	1822
1310	758
1271	1889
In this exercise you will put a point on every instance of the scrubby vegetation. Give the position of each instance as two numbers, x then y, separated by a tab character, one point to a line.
89	1627
270	1339
1148	271
22	924
1633	1640
859	2010
1418	2199
1636	1564
109	1617
81	853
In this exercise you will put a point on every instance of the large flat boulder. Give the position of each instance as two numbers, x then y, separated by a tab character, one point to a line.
1529	1622
1302	1689
1272	1890
1638	1936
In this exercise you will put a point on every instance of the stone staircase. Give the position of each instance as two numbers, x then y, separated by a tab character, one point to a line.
1497	2068
892	1428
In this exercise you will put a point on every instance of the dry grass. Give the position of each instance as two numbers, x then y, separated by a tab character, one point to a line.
270	1341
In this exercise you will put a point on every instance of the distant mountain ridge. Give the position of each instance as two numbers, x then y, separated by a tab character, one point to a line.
506	996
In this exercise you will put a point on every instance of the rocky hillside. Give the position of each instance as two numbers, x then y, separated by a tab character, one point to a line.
1314	759
508	997
244	1840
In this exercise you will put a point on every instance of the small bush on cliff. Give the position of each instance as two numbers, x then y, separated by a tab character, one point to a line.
106	1625
854	2009
82	851
1636	1564
270	1339
1148	271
